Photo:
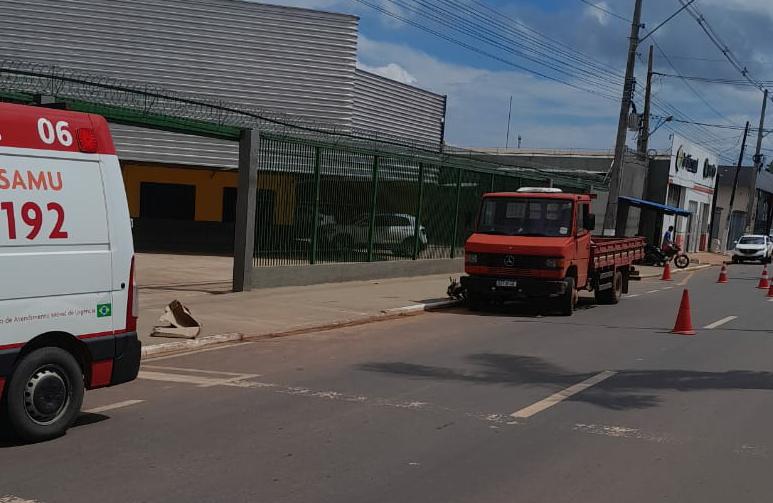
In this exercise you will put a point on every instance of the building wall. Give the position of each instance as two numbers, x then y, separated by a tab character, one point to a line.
209	188
397	110
740	203
153	146
691	182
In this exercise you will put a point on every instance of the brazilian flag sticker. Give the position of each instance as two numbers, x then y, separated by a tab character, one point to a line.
104	310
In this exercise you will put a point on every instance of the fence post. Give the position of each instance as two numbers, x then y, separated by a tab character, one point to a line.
417	225
491	185
373	200
317	184
246	195
456	212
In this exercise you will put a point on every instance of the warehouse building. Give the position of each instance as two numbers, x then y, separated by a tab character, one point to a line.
290	64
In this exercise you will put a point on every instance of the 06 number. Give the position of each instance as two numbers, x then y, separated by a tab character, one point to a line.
50	133
32	216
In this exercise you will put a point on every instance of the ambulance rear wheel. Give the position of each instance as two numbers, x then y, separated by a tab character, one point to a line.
44	395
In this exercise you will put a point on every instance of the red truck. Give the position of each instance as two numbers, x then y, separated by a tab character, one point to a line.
536	244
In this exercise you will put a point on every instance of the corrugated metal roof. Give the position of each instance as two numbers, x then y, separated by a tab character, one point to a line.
395	109
283	59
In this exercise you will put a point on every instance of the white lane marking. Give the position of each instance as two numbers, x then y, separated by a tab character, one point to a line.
653	291
619	432
198	371
721	322
622	432
562	395
300	391
770	300
633	295
204	382
194	351
13	499
687	279
668	288
104	408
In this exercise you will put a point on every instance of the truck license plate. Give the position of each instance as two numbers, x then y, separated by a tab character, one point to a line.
507	283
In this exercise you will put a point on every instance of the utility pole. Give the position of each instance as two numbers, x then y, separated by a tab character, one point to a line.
610	217
644	136
751	215
735	185
509	112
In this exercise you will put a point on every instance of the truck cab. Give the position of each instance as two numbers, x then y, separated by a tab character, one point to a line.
536	244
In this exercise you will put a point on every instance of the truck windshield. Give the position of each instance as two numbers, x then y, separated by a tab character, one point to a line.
525	217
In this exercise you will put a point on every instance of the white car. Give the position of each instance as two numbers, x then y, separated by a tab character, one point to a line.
392	231
753	247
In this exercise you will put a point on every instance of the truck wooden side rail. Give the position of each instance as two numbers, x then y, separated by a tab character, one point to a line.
608	252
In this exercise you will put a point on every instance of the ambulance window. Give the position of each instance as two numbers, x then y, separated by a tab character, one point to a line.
167	201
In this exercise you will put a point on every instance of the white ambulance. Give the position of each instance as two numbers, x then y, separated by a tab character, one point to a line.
68	302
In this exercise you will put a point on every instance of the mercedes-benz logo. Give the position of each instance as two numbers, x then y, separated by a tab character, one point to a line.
509	261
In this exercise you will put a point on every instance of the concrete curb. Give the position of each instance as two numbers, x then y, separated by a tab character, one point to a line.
674	271
189	346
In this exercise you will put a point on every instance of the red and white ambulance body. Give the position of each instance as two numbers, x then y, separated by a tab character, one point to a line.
67	296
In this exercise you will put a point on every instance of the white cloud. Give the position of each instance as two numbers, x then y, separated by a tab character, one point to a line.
764	7
545	114
600	16
391	71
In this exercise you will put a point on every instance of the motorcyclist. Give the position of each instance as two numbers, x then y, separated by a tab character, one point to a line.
669	247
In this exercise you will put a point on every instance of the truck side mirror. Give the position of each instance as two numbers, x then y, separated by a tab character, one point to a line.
590	221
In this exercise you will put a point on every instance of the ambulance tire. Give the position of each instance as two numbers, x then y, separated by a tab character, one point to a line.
44	395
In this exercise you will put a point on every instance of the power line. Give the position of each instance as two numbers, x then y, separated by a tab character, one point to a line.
607	11
686	83
720	44
718	126
709	80
477	50
467	25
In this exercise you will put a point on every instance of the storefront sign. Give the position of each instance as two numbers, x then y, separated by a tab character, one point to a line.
685	161
709	170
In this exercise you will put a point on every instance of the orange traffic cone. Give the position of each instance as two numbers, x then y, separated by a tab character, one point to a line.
666	272
764	281
770	290
723	274
683	325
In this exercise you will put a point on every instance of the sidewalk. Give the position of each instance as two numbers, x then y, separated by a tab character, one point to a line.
284	310
699	260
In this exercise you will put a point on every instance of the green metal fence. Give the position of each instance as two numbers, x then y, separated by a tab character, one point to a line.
323	202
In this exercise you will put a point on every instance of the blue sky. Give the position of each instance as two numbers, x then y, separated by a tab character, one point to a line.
548	114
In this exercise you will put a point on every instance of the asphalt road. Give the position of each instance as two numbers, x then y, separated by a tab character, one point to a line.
452	406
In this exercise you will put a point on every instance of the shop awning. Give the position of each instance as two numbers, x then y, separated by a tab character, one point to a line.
662	208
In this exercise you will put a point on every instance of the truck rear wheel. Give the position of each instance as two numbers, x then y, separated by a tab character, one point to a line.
611	295
44	394
568	301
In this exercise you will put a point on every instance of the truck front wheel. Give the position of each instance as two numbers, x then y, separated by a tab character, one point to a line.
611	295
568	300
44	395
